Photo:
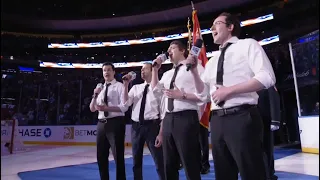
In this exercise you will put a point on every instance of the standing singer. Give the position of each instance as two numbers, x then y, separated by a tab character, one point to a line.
180	129
145	121
111	125
232	78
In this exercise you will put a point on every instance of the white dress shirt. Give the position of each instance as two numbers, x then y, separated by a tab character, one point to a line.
115	99
135	95
244	59
162	108
184	81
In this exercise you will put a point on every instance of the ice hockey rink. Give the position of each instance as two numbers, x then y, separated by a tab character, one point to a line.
79	162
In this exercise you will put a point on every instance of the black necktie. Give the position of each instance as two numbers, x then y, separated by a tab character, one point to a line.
219	77
106	113
143	104
170	100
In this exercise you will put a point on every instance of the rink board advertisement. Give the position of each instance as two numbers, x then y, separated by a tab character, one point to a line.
309	133
60	135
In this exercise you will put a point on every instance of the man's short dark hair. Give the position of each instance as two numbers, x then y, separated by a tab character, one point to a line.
181	47
109	64
232	19
149	63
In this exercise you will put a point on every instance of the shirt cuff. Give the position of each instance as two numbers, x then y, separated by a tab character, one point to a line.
123	108
275	123
265	79
203	96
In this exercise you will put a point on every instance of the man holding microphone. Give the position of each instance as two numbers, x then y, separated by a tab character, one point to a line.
231	80
180	129
145	121
108	100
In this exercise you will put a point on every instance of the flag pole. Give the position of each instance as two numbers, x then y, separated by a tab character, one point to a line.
189	34
205	109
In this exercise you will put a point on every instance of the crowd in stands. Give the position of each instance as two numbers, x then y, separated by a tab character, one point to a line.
39	52
37	96
59	97
53	97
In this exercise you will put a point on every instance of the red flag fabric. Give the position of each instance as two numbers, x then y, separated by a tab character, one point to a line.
204	120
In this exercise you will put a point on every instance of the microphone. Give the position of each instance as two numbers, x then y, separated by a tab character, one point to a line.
195	50
163	57
132	74
100	85
220	104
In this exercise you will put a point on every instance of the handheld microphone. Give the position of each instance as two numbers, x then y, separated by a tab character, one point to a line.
132	74
100	85
163	57
220	104
195	50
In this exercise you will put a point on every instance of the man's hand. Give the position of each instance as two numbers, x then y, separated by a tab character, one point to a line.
192	59
221	94
158	141
174	93
97	91
126	79
102	107
158	66
274	127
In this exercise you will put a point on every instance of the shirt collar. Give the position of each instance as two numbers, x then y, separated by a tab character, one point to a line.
145	83
183	62
111	82
232	40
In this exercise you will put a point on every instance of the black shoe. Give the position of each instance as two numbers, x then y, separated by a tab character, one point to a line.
205	170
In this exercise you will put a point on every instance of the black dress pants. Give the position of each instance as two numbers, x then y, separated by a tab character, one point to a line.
237	145
204	146
111	135
268	146
141	134
181	139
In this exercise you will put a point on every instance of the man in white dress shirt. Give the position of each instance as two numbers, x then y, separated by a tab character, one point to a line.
231	80
111	125
145	121
180	129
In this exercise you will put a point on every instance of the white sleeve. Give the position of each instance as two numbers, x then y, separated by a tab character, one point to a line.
260	64
131	95
162	107
122	105
157	90
204	96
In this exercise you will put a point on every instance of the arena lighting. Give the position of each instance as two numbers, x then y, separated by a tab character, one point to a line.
263	42
256	20
152	39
